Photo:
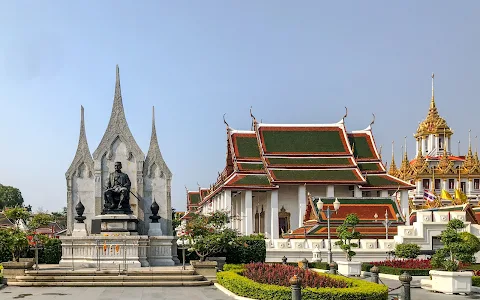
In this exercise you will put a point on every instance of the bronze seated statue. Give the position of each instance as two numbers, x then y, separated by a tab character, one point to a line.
117	192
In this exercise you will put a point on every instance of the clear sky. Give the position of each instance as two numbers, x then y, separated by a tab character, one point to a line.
293	61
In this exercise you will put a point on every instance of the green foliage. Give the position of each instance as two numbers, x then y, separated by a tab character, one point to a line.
175	220
209	235
400	271
407	250
10	197
346	233
40	219
52	251
17	214
458	247
247	249
233	267
242	286
5	254
15	241
476	280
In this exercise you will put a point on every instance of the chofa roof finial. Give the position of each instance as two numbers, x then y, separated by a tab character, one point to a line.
225	121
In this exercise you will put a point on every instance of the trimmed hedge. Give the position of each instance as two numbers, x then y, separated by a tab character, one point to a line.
250	249
476	280
396	271
52	251
242	286
315	265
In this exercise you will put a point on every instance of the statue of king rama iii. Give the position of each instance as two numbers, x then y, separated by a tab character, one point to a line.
117	192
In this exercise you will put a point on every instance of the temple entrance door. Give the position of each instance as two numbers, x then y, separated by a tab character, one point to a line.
283	221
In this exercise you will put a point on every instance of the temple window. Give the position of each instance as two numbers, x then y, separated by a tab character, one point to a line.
476	184
426	184
283	221
440	143
451	184
462	186
260	221
378	193
437	184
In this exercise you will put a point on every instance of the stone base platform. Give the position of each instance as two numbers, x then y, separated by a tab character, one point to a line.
116	251
160	276
118	223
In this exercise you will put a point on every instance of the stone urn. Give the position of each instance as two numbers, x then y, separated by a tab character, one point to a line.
349	268
207	269
451	282
220	261
12	269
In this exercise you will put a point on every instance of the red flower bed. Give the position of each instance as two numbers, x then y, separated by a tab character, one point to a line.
423	264
278	274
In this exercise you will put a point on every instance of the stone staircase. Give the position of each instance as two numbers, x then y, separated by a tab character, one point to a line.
110	278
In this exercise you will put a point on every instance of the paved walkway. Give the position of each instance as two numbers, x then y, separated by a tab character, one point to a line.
114	293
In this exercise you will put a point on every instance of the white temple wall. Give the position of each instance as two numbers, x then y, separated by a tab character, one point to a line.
119	152
288	198
317	190
83	190
156	187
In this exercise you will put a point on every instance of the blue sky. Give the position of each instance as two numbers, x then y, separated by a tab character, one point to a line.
294	62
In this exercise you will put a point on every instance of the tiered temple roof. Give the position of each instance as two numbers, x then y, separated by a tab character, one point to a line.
315	222
274	154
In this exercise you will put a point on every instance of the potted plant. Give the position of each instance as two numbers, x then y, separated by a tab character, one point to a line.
458	247
346	233
209	237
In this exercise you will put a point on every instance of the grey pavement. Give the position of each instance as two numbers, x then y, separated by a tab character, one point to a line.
116	293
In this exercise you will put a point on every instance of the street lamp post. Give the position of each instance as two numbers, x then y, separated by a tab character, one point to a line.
328	213
387	224
35	239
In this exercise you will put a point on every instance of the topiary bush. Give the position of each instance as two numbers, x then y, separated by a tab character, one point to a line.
52	251
358	290
407	250
247	249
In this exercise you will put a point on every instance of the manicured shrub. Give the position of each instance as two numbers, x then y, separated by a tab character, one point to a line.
476	280
358	290
404	263
410	251
280	275
52	251
247	249
233	267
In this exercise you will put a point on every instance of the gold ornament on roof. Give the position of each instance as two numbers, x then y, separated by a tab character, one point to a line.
393	171
433	123
405	171
470	165
445	165
420	166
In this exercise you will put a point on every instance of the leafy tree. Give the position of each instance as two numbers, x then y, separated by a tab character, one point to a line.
209	235
346	233
175	220
458	247
15	240
16	215
40	219
407	250
10	197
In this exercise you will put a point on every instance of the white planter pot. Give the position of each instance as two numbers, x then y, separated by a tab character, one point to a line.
349	268
451	282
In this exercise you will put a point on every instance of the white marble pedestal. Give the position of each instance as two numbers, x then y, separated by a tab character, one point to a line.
160	253
79	229
118	223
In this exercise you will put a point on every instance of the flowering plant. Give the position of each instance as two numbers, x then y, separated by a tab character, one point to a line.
209	235
278	274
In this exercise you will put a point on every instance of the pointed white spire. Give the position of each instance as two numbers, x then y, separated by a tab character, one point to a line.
154	155
118	126
83	154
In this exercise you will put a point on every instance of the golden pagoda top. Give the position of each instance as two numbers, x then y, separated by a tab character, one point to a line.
433	123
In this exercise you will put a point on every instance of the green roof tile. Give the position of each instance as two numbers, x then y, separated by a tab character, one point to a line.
194	198
303	141
250	166
316	162
247	147
369	167
382	180
252	180
316	175
361	148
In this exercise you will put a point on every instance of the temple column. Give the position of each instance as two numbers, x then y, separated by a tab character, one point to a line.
404	206
419	188
248	213
357	192
274	214
227	196
444	184
242	212
268	209
330	191
469	187
302	203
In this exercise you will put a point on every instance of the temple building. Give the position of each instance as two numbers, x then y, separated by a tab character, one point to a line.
149	175
275	173
453	179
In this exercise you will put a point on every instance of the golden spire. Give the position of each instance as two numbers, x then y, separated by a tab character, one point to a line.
470	143
405	169
433	123
393	167
471	164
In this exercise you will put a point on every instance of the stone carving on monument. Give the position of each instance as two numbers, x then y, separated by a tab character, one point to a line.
125	192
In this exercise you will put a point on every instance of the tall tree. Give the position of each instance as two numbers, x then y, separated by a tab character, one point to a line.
10	197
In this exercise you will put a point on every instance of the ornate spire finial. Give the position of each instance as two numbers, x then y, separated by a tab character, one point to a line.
432	101
373	120
254	121
228	127
186	189
393	167
346	114
405	155
469	142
